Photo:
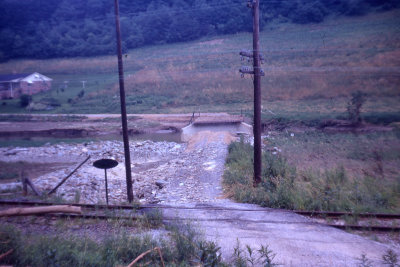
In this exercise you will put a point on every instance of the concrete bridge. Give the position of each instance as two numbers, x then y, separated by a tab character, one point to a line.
233	124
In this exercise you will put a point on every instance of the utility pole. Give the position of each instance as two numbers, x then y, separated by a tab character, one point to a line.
123	107
257	72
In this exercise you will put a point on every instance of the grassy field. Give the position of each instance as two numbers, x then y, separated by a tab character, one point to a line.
317	171
124	242
308	68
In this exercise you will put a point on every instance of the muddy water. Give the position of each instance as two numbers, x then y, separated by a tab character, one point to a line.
35	141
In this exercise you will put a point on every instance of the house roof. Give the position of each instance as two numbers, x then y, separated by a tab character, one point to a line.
10	77
23	76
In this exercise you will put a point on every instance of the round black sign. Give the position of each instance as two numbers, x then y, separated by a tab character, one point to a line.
105	163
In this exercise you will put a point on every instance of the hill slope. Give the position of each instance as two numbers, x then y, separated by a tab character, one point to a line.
305	64
49	29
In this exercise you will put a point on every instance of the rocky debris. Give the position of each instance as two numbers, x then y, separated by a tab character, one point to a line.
161	184
10	187
162	172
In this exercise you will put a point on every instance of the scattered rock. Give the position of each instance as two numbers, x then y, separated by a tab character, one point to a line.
162	171
10	187
161	184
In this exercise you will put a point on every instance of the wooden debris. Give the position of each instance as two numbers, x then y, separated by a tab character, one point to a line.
40	210
69	175
29	182
25	182
138	258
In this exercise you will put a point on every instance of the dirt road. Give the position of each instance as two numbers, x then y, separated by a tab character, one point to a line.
296	240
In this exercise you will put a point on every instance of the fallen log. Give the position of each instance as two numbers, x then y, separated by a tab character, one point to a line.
40	210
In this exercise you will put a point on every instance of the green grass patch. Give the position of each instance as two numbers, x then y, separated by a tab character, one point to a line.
283	186
183	247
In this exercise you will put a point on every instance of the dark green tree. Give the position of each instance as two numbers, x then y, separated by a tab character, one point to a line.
358	98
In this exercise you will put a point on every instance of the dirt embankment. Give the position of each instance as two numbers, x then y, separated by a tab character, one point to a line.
95	124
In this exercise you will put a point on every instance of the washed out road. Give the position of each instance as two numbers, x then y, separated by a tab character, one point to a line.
296	240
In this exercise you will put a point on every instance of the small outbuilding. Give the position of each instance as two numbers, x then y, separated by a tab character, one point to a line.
14	85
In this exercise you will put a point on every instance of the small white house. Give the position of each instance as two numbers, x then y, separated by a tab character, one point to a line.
14	85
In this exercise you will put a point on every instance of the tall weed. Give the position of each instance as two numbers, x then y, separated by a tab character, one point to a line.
183	246
283	186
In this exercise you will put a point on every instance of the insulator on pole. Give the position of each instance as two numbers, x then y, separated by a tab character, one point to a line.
249	54
246	53
246	70
262	58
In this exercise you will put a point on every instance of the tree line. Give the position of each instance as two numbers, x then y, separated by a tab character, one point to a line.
67	28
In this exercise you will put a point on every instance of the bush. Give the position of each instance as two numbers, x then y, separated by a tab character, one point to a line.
354	107
209	254
25	100
81	93
241	257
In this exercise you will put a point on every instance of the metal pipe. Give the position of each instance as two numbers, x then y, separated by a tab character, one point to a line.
105	175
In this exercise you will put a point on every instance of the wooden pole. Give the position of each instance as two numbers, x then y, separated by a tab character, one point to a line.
257	94
123	107
25	182
24	185
69	175
29	182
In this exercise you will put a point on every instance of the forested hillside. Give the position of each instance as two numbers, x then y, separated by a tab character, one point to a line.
50	28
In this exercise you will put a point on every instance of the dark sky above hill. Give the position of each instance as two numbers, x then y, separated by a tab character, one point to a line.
66	28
